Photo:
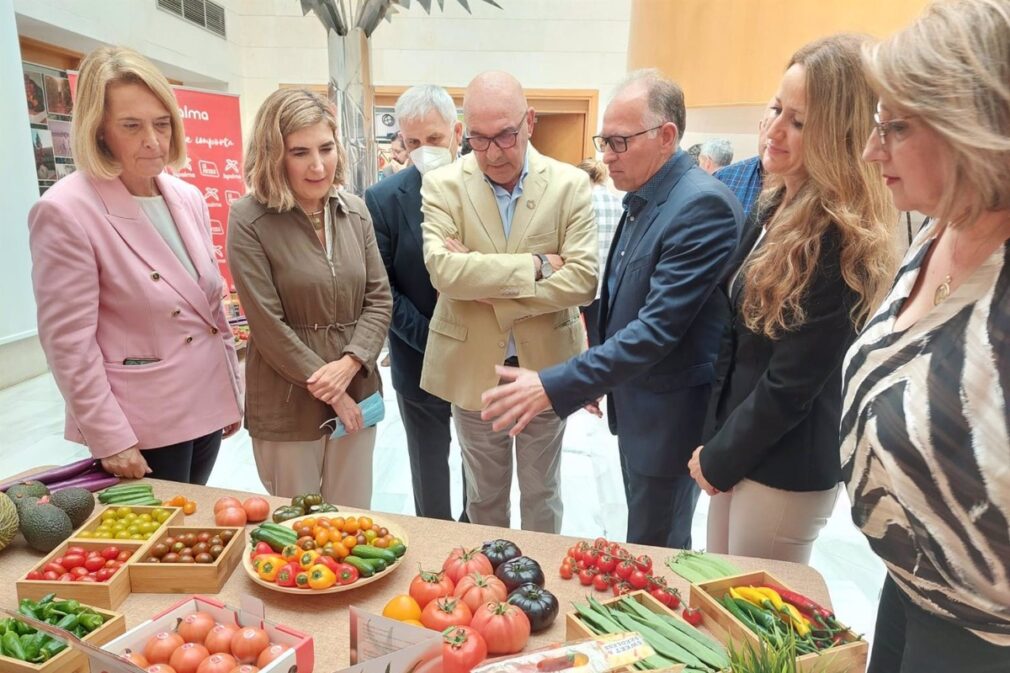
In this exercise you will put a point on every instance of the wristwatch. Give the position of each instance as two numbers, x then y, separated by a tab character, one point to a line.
545	266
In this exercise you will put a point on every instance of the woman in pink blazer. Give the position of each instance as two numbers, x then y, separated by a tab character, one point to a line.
127	287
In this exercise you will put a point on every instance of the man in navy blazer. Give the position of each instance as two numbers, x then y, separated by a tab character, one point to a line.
660	323
431	133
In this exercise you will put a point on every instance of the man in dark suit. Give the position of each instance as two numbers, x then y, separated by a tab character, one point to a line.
660	321
431	133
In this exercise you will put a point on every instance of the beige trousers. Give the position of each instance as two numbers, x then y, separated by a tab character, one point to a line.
764	522
487	464
339	469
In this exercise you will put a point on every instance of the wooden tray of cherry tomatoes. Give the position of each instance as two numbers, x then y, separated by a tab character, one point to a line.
393	533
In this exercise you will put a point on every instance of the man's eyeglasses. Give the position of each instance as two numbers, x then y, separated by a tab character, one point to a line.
504	140
883	128
618	143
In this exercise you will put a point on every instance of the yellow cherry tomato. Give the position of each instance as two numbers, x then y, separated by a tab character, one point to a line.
402	608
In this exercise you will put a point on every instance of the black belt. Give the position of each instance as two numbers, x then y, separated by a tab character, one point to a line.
511	361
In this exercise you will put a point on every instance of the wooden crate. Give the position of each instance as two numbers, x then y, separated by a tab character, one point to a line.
576	630
192	578
72	660
176	517
108	595
847	658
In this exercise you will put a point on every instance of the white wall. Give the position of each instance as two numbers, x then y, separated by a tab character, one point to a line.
564	44
19	352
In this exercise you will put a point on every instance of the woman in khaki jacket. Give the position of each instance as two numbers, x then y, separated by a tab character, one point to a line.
315	292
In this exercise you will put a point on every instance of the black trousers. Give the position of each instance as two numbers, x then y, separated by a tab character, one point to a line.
660	509
190	462
907	639
426	424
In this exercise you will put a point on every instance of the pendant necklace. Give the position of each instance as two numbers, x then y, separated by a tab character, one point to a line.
316	219
942	291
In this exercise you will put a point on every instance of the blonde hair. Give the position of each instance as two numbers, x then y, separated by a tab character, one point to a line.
951	70
596	169
284	112
841	192
100	69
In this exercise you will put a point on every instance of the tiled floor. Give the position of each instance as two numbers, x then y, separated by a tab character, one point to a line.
31	429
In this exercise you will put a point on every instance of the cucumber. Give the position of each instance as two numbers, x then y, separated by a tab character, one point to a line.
367	551
378	564
398	549
364	568
276	542
280	530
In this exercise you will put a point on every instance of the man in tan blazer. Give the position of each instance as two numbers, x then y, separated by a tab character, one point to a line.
510	242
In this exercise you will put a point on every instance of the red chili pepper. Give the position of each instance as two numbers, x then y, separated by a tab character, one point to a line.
803	603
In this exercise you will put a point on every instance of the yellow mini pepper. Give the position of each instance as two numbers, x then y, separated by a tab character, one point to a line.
269	567
321	577
799	622
308	558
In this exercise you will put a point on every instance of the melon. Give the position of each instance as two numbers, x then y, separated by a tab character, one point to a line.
8	520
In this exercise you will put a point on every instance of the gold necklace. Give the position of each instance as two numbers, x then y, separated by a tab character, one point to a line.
942	291
316	219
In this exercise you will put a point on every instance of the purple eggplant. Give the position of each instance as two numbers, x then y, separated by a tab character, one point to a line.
93	481
59	474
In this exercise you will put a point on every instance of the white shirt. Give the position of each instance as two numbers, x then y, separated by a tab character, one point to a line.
161	217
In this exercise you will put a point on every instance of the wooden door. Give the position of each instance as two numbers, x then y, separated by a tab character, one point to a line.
561	136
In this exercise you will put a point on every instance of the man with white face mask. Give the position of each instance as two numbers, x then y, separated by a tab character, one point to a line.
431	134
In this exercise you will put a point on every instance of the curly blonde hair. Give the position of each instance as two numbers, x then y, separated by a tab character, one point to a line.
841	192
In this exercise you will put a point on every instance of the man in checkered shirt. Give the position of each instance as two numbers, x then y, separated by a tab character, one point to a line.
608	209
746	178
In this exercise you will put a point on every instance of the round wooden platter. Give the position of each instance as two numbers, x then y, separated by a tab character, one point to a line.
394	530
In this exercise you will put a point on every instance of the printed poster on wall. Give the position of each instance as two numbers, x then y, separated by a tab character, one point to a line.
213	161
50	106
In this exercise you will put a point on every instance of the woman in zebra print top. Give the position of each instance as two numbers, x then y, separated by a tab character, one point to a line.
925	428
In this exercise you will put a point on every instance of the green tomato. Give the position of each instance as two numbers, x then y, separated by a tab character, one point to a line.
122	512
122	535
145	517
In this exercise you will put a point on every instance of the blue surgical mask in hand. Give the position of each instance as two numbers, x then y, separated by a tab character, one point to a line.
372	408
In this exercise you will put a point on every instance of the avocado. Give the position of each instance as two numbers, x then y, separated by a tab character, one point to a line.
35	489
78	503
44	526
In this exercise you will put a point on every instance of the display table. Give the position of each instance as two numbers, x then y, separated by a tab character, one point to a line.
324	617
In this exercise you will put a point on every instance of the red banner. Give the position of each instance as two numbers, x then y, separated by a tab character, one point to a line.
214	157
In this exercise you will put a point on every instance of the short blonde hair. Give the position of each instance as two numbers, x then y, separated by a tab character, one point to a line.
284	112
100	69
951	70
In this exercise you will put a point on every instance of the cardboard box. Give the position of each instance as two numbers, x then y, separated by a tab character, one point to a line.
848	658
299	659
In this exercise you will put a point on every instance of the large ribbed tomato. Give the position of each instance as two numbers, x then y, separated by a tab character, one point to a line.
505	627
462	562
476	589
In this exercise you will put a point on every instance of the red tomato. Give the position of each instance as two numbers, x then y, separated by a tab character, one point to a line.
195	627
476	589
606	563
256	509
504	626
221	662
591	556
56	568
230	516
94	563
427	586
624	568
600	543
638	580
622	587
110	553
441	613
219	639
615	549
58	560
50	576
124	556
644	563
103	574
79	571
77	550
188	657
566	571
159	647
462	562
222	503
586	576
655	581
113	564
85	578
692	616
71	561
601	582
270	653
462	649
247	644
33	575
65	577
